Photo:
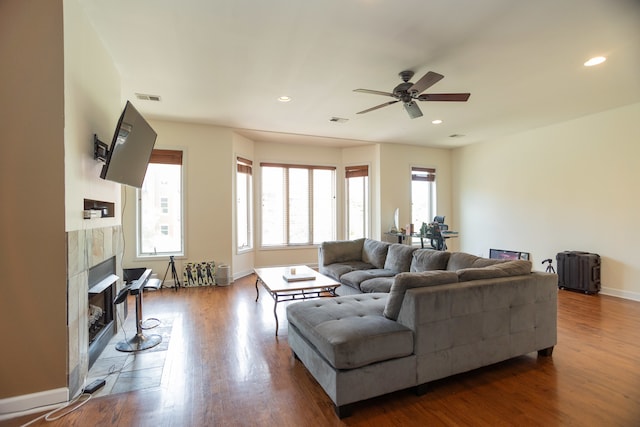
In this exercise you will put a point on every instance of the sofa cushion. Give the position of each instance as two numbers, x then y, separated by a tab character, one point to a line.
341	251
350	331
378	284
459	260
399	258
356	277
501	269
374	252
427	259
337	270
404	281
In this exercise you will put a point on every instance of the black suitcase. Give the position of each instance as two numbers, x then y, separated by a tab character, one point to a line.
579	271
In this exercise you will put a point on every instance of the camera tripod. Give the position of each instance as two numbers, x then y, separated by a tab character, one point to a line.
174	274
550	268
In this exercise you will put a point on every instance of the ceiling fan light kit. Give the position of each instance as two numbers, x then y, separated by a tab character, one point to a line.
407	93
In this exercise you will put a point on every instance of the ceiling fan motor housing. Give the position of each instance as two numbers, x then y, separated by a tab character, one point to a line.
406	75
402	92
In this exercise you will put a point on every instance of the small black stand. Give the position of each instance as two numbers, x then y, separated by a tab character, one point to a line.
550	268
174	274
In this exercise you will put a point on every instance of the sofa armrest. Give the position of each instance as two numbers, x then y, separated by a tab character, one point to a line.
340	251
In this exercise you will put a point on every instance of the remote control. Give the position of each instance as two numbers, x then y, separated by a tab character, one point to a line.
94	386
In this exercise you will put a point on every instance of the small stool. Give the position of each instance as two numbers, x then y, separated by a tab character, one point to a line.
139	341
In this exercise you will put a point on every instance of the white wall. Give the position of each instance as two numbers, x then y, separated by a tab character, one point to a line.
396	161
208	166
92	106
365	155
571	186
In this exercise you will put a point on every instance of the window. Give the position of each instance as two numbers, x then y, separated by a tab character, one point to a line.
244	211
160	227
298	204
423	195
357	201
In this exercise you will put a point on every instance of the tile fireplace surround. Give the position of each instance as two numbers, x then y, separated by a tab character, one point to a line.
85	249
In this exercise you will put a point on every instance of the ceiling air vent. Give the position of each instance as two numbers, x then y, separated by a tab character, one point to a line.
146	97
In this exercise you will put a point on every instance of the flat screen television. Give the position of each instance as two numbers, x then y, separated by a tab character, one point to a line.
130	149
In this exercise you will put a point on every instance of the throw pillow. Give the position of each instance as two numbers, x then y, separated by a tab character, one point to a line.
427	259
517	267
466	274
459	260
398	258
374	252
500	269
404	281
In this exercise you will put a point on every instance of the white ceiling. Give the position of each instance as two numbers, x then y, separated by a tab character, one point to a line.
227	62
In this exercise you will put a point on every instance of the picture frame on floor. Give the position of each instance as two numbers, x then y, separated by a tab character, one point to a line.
199	273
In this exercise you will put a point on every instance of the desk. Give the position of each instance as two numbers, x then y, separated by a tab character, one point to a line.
400	236
437	242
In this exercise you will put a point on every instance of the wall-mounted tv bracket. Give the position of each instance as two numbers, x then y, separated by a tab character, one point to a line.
100	149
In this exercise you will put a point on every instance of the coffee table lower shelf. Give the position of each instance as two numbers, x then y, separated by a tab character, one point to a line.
281	290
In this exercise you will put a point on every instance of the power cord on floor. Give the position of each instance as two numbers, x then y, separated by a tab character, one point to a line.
71	406
153	325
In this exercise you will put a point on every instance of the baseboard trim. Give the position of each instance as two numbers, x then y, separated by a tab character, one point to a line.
34	402
635	296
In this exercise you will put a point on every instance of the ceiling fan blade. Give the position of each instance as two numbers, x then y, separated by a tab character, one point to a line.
460	97
376	107
413	109
374	92
425	82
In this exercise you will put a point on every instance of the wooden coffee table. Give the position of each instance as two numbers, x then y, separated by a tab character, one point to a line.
272	279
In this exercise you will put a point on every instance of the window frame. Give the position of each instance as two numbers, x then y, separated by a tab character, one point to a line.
286	199
358	171
245	166
168	157
424	174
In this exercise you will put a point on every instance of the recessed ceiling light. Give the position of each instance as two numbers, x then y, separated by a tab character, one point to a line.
436	121
595	61
284	98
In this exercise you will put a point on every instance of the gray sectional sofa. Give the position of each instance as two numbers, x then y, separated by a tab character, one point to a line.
444	313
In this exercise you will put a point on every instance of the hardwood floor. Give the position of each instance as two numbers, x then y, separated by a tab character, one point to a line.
225	367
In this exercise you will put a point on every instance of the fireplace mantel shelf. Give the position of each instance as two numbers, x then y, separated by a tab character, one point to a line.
103	284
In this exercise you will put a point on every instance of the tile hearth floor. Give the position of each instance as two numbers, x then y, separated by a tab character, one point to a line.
128	371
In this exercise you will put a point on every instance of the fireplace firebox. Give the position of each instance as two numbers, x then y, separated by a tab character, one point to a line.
101	310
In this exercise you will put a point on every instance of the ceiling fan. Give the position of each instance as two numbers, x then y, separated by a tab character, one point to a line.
408	93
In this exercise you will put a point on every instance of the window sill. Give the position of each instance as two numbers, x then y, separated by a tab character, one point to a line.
288	247
159	257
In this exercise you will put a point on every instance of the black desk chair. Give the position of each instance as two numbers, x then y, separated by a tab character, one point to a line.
434	234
